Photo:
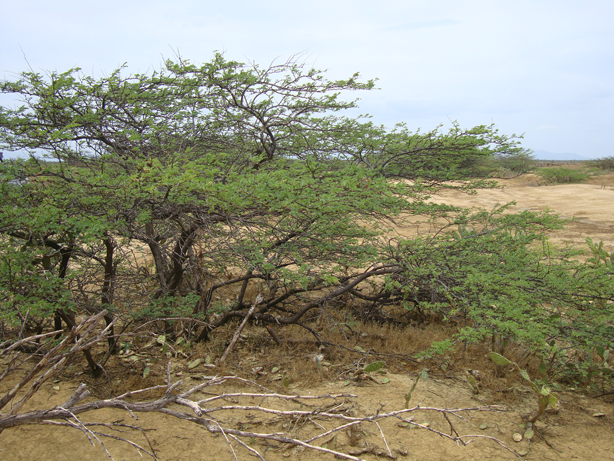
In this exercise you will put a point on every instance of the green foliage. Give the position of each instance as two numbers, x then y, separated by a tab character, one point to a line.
545	397
423	375
210	167
605	163
600	255
495	274
30	288
561	175
504	166
433	156
169	190
373	366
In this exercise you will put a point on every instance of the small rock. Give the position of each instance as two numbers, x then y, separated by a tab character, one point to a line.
598	415
517	437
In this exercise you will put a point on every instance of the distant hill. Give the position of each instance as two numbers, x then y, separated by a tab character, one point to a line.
545	155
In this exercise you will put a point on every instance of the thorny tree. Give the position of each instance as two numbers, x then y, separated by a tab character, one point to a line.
167	188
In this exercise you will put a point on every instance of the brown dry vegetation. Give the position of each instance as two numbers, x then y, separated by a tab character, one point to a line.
581	429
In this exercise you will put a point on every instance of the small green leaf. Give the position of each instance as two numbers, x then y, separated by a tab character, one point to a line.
543	368
528	434
525	375
385	380
146	372
195	363
499	359
374	366
543	402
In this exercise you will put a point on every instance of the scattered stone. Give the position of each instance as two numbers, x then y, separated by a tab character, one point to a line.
517	437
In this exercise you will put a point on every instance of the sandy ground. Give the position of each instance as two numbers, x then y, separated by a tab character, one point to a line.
583	429
571	434
589	208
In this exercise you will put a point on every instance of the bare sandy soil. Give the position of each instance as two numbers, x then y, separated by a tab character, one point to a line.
583	428
589	208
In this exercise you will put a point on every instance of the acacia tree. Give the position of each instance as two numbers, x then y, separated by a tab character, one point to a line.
228	175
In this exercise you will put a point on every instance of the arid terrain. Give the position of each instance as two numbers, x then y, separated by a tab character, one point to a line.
581	429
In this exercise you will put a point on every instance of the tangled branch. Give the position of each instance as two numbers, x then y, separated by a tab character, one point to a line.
333	410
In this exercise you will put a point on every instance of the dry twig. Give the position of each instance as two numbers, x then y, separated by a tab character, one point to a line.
184	405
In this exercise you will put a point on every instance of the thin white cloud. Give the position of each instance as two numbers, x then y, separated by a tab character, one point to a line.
523	64
421	25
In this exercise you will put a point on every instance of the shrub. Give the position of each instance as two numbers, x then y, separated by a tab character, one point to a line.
496	274
562	175
503	166
605	163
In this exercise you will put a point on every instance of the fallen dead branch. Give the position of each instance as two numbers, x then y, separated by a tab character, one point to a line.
335	414
326	415
80	338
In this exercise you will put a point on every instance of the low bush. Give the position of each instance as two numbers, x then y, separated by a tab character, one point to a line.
497	274
503	166
605	163
562	175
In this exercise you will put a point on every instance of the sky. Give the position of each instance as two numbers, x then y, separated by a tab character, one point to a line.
542	68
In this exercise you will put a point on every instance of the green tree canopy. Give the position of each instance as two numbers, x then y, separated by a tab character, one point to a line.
167	189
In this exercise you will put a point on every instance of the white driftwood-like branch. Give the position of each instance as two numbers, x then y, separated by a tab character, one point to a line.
235	337
180	405
81	337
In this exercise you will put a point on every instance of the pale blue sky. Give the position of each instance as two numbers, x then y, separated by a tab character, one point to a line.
541	67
